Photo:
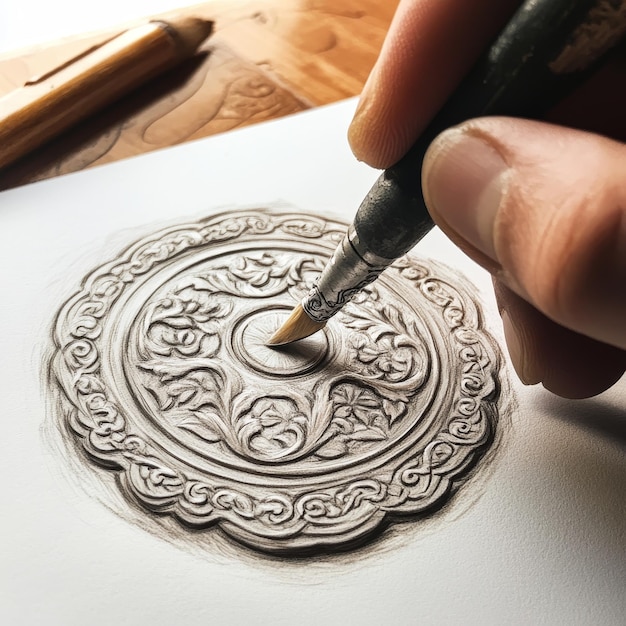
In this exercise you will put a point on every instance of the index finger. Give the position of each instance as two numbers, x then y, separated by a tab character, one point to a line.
430	46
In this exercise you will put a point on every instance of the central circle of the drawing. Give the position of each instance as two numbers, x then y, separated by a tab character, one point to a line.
165	377
250	341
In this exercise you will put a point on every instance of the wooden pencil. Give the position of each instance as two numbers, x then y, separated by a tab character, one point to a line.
47	105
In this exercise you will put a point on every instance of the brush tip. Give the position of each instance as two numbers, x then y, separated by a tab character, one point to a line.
297	326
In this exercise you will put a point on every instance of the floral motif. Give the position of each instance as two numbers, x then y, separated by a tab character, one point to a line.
360	415
364	409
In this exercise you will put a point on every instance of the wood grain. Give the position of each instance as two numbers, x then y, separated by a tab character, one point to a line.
51	103
266	59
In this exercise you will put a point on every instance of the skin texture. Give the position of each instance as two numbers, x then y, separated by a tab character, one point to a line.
542	206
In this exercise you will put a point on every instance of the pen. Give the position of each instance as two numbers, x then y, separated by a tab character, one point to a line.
49	104
546	49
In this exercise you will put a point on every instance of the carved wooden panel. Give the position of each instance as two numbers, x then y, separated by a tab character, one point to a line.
233	94
266	59
163	377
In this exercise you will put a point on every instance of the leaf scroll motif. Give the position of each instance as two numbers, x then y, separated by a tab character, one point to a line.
261	276
232	227
309	228
387	346
191	396
183	327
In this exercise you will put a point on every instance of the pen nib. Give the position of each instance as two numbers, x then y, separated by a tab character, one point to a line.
298	326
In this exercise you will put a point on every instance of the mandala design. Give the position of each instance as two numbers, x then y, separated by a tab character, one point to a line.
165	379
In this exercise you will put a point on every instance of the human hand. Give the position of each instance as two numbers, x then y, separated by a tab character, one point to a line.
541	206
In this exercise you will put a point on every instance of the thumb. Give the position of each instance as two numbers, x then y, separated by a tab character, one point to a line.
543	208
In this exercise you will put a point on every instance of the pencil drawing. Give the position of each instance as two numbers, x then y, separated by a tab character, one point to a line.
164	379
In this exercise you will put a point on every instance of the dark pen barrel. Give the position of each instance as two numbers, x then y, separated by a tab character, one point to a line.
547	48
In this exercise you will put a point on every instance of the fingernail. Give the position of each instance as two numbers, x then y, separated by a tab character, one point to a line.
522	361
464	179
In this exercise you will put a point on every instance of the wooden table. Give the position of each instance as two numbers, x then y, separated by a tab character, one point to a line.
266	59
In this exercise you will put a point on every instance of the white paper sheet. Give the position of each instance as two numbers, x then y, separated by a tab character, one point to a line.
539	538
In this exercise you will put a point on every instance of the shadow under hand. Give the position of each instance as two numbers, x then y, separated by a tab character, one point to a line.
604	414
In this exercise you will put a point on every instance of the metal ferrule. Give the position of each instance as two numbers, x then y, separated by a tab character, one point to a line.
349	270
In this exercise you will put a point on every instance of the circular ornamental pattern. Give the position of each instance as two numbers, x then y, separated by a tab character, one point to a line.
166	380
